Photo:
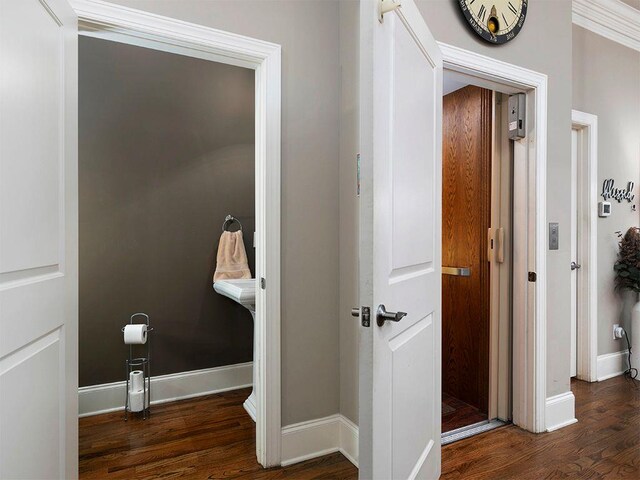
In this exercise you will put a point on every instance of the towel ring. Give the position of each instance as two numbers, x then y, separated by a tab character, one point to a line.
229	219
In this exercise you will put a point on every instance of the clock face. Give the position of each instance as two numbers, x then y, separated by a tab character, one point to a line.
496	21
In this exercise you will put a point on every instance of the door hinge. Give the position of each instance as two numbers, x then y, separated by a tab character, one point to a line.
532	276
387	6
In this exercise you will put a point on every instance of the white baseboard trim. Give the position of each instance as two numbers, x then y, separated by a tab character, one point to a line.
560	411
611	365
315	438
109	397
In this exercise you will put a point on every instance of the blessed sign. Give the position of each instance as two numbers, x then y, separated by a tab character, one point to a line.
619	194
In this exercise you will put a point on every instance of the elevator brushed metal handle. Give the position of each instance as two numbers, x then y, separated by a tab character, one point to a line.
575	266
382	315
457	271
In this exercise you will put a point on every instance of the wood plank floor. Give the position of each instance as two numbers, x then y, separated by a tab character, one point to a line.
212	438
605	443
209	437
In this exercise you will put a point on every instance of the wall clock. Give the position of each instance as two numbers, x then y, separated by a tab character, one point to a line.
496	21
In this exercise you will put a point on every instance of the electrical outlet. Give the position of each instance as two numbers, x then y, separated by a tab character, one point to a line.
618	331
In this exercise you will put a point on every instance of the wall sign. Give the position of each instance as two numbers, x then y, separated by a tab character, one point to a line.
609	190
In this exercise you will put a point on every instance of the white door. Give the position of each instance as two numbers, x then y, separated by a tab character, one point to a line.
574	252
38	240
407	126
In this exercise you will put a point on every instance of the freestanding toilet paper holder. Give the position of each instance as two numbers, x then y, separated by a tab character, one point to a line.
139	363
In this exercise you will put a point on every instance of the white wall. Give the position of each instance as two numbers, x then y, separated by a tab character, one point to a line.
606	83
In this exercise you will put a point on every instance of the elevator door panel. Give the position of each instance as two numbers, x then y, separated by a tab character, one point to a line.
466	210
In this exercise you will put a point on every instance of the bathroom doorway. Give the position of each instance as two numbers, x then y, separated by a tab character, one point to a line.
251	154
476	260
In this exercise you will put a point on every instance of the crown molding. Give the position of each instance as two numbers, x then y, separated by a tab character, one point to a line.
612	19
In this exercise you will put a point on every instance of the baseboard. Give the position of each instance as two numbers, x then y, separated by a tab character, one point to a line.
560	411
315	438
611	365
109	397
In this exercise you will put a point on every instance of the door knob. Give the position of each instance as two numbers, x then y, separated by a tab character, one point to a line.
382	315
574	266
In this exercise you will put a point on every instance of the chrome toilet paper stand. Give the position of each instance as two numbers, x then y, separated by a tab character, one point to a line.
139	363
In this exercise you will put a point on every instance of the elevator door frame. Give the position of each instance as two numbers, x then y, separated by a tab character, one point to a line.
529	385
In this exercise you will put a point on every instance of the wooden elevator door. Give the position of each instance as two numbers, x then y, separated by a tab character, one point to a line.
466	218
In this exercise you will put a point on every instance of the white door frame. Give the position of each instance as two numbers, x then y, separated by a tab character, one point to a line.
586	125
117	23
530	303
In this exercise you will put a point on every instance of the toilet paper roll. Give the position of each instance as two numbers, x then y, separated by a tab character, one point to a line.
136	401
135	334
135	380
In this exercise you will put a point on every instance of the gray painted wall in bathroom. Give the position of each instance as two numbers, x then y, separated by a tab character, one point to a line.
309	34
606	83
165	152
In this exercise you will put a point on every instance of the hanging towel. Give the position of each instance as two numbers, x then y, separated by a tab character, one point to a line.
231	261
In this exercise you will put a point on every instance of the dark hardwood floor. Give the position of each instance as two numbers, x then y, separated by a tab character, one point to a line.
209	437
212	438
605	443
457	414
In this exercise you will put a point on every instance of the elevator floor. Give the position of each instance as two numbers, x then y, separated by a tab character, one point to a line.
456	413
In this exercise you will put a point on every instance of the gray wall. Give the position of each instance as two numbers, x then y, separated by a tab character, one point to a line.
349	240
165	152
606	83
309	34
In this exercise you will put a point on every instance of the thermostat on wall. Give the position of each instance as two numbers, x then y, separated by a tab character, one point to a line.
604	209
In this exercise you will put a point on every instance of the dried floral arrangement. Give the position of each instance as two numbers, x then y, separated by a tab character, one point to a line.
627	267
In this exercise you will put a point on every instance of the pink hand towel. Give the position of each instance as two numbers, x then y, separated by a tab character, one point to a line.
231	261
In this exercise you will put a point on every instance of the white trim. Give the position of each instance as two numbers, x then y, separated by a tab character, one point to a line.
587	344
118	23
612	19
315	438
530	354
109	397
560	411
612	364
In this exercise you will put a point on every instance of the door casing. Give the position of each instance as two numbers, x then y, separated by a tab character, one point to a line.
529	231
586	126
121	24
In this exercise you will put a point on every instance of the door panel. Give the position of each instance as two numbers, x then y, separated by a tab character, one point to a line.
407	104
38	244
466	213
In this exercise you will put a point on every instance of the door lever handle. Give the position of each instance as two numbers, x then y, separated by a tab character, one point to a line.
575	265
382	315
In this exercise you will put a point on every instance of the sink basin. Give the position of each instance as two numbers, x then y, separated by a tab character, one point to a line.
242	291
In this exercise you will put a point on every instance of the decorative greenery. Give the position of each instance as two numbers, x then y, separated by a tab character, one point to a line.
627	267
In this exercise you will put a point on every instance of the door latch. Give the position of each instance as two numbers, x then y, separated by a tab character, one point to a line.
533	277
365	316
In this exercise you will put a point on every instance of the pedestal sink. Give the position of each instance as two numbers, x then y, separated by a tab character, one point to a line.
243	291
